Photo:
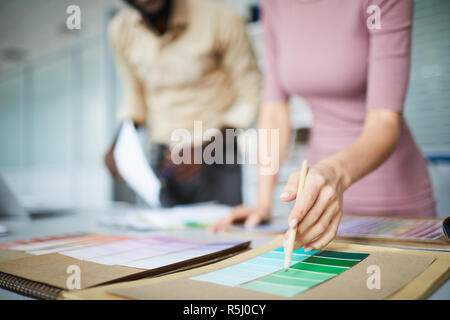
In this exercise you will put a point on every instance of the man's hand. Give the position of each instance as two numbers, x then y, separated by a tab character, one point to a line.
251	216
111	164
182	172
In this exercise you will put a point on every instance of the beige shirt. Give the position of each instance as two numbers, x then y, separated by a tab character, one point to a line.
202	69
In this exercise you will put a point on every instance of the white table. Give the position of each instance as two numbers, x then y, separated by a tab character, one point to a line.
87	220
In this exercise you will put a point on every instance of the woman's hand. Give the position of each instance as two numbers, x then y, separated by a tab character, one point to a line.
251	216
319	209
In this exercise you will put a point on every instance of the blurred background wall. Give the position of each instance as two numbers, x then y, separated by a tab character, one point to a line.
59	94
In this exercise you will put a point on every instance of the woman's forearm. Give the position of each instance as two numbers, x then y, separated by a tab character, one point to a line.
318	214
376	142
272	116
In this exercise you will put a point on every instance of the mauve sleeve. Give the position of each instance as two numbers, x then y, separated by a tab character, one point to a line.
272	89
389	53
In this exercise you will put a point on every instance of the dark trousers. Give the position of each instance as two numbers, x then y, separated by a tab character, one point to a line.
215	182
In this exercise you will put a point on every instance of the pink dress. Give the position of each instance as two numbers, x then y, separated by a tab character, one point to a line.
324	51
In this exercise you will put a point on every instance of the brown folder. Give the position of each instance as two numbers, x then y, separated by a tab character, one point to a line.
45	276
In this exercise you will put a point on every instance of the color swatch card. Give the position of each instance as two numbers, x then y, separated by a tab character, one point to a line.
147	252
59	243
266	273
179	256
271	227
254	268
102	262
415	229
176	218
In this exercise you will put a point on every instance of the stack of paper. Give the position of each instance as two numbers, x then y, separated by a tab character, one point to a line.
415	229
179	217
60	243
133	166
147	252
114	259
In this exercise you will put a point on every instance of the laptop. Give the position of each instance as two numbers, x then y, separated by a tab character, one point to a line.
11	207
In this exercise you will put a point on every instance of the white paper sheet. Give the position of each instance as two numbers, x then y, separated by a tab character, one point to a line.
121	252
175	257
174	218
133	166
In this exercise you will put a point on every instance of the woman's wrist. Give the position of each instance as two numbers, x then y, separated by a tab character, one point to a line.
264	205
266	186
339	171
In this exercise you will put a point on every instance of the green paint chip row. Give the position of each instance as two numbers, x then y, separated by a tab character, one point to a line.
298	282
332	261
319	268
281	290
342	255
306	274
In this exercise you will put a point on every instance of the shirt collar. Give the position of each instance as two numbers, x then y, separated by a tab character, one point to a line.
178	20
179	15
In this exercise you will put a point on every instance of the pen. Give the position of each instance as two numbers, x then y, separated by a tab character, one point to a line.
293	230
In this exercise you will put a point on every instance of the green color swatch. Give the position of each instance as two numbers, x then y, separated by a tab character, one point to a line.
332	262
298	282
282	290
305	274
342	255
319	268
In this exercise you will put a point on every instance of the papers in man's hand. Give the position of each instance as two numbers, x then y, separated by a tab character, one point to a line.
179	217
133	166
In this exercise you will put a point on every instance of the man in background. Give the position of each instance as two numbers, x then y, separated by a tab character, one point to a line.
182	61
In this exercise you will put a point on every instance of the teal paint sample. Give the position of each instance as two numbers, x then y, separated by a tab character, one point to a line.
306	274
319	268
343	255
252	269
282	290
266	274
332	261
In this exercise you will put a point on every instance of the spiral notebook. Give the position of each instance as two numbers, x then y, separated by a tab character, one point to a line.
42	268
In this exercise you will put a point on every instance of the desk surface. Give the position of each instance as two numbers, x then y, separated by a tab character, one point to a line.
87	220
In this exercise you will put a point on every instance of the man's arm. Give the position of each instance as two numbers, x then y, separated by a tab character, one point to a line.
133	106
274	115
239	60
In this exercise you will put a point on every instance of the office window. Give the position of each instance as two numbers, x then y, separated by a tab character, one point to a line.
427	104
51	113
11	121
93	116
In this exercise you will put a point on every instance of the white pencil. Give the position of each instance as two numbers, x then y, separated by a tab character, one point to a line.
293	230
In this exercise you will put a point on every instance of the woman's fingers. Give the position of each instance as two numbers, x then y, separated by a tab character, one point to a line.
220	225
238	213
327	236
319	227
290	189
316	230
313	185
326	197
253	220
